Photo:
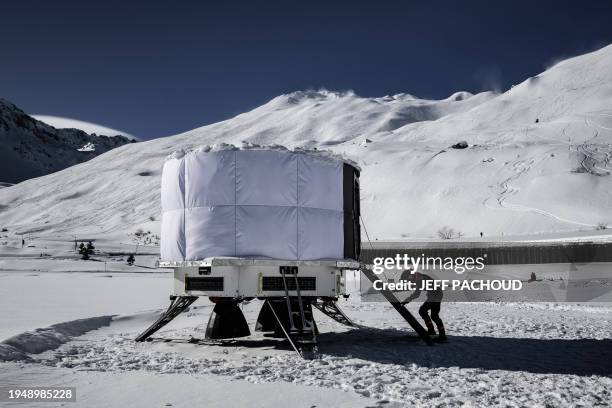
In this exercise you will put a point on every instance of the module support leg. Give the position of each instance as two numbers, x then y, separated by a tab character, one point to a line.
178	304
401	309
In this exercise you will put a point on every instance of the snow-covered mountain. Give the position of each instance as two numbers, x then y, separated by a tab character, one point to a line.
31	148
87	127
538	160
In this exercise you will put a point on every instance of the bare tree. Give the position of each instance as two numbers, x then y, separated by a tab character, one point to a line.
448	233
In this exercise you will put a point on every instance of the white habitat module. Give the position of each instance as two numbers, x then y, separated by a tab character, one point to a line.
234	221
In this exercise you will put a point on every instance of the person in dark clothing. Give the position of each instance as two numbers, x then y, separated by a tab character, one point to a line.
434	299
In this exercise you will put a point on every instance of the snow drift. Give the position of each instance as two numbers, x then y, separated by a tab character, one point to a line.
34	342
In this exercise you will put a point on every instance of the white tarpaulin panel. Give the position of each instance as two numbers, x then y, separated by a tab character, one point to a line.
173	185
252	203
265	177
266	231
210	230
173	235
210	179
320	182
320	233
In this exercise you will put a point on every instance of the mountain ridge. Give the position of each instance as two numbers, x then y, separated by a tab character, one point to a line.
31	148
60	122
537	160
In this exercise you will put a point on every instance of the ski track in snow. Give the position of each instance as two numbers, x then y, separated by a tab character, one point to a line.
499	354
594	156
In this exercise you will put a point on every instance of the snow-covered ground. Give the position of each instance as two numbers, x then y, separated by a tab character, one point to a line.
59	297
146	389
499	354
65	321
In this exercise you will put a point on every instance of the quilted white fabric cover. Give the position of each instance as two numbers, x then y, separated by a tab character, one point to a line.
252	203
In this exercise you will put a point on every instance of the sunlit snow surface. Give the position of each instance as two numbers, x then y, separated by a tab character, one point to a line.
64	123
498	353
89	147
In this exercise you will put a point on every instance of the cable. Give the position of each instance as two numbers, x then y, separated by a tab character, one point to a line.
366	231
371	246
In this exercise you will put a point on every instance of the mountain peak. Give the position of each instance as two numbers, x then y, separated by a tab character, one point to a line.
314	95
460	96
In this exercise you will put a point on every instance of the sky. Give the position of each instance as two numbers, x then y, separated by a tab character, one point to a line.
159	68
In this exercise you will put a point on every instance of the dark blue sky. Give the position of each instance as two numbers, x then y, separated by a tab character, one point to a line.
156	69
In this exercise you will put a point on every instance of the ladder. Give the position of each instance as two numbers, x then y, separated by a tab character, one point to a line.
301	333
401	309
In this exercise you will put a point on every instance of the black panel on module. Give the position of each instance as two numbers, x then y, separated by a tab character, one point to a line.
352	226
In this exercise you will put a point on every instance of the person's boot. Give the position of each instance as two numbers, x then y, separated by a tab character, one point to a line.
442	336
430	328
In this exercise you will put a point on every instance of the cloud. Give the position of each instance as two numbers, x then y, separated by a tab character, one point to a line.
489	79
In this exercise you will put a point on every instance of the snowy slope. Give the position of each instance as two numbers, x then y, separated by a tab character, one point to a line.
539	159
87	127
31	148
516	177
